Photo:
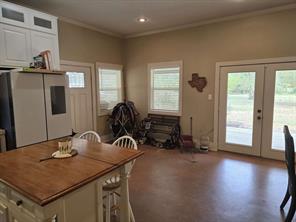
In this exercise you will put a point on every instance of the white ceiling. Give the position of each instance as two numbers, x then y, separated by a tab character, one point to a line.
118	16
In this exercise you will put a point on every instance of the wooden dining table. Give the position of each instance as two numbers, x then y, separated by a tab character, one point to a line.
63	190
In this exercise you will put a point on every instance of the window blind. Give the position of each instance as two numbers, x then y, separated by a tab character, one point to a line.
110	88
165	89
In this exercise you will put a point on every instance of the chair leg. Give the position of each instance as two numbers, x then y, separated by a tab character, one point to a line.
286	198
292	209
108	207
114	202
132	217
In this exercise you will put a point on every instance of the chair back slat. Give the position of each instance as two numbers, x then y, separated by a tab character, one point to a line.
126	142
91	136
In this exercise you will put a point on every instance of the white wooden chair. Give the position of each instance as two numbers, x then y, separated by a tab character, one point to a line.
91	136
111	186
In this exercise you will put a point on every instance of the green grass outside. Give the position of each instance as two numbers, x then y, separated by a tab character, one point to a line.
240	111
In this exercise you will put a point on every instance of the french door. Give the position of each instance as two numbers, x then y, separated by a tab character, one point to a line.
255	102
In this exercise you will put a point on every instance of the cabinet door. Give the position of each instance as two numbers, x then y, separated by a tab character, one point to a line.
42	42
15	46
18	217
14	14
57	106
3	213
43	22
29	108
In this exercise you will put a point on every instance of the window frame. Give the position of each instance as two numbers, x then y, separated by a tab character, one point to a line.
107	66
172	64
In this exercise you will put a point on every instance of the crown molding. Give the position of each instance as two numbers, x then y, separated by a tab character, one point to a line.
91	27
212	21
68	20
174	28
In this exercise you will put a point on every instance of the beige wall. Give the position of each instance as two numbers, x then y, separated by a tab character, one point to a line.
83	45
265	36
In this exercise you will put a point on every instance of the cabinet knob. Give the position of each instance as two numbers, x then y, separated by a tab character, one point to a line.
19	202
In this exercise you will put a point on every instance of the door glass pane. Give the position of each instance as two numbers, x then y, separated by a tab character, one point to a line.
76	79
284	107
240	105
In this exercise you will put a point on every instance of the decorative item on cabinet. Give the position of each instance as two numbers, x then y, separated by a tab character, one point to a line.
47	58
38	62
198	82
43	61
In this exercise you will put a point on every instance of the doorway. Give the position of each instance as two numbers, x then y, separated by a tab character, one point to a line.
81	77
255	102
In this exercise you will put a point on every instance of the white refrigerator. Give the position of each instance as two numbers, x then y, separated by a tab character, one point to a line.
34	107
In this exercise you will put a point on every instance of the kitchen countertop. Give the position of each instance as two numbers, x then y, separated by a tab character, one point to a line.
44	182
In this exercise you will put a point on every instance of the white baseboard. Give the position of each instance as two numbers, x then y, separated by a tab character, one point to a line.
212	147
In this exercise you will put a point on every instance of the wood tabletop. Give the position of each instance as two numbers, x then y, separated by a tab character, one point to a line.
104	152
44	182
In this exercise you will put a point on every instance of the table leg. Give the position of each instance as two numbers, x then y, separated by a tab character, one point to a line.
124	196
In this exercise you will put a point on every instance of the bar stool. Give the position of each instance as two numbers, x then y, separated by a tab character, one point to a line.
111	187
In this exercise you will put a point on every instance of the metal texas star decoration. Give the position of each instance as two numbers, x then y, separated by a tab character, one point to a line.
198	82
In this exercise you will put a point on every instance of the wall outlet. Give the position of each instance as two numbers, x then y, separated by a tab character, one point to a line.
210	97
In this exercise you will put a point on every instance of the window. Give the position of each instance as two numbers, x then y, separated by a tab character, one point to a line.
165	92
110	86
76	79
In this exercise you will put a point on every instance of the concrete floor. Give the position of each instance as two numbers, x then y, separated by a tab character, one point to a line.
166	187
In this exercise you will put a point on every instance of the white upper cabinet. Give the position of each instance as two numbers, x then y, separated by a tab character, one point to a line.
15	45
42	42
24	33
14	14
43	22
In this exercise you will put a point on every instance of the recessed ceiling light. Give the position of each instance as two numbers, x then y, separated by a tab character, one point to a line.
142	19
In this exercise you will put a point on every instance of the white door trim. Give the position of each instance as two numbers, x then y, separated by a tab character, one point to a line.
93	86
217	85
